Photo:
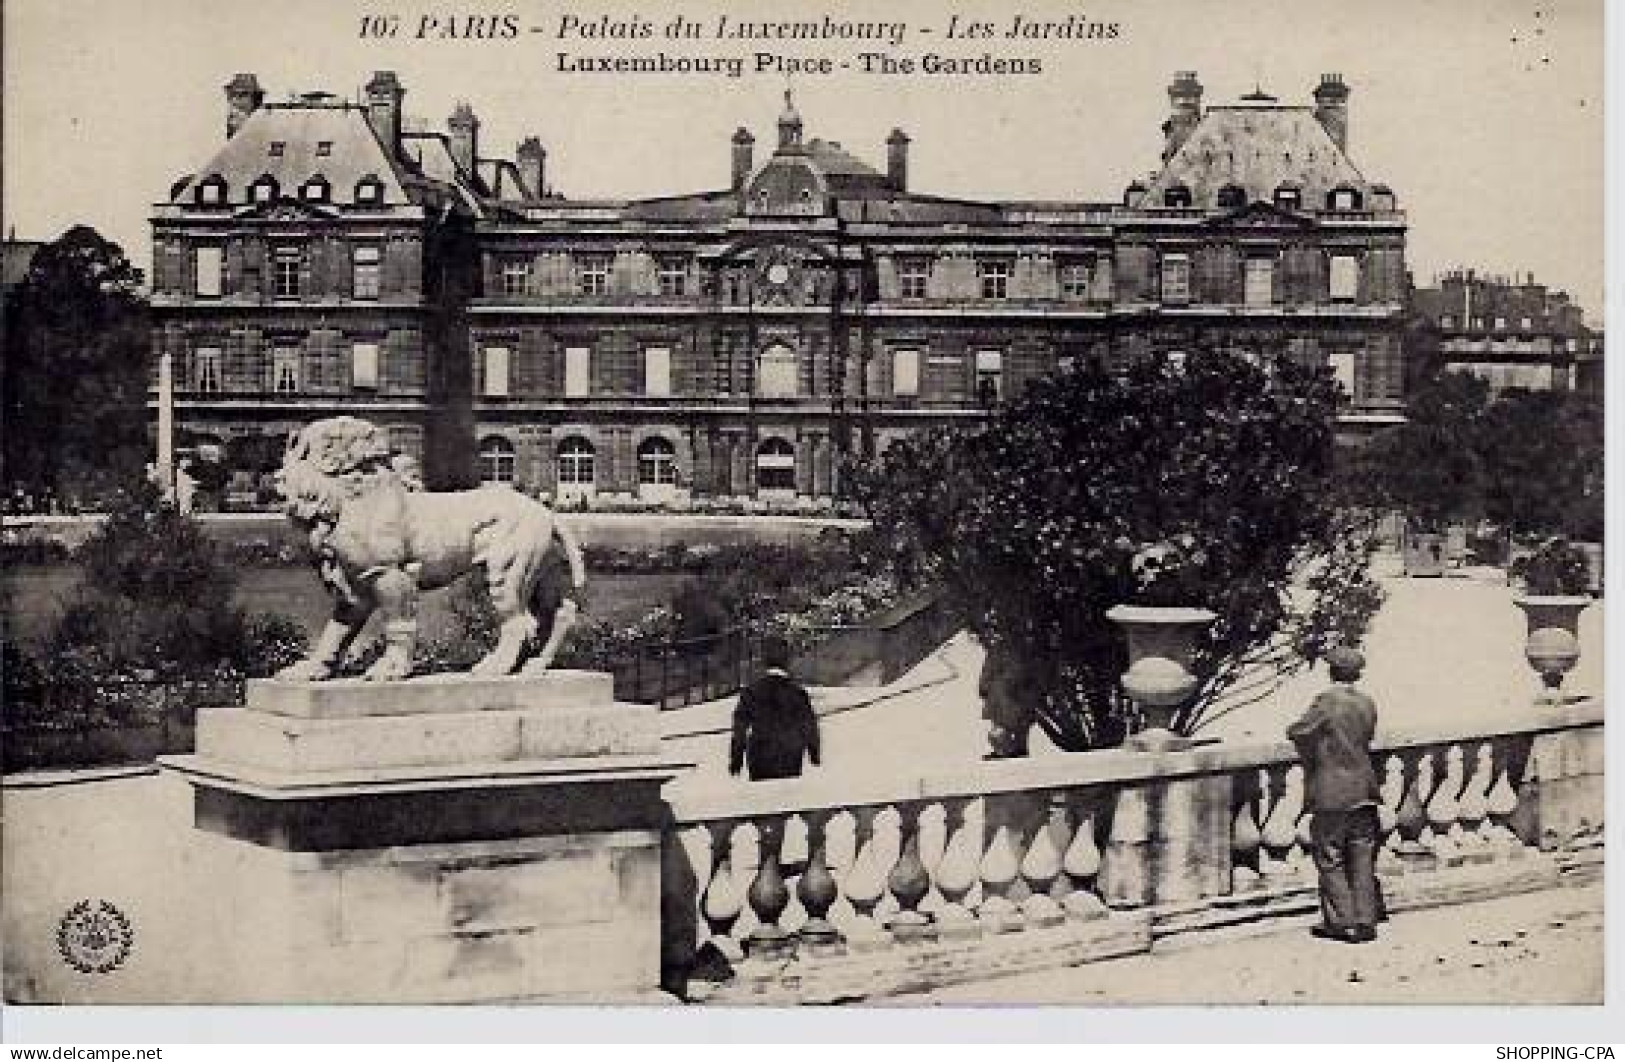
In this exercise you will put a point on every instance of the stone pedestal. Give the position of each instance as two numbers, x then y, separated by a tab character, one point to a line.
1174	846
444	839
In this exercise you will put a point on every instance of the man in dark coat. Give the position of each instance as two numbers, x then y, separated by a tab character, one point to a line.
774	724
1334	741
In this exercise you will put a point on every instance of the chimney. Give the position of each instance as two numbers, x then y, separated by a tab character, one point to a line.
465	138
1185	103
1332	108
243	98
384	96
743	144
897	160
532	158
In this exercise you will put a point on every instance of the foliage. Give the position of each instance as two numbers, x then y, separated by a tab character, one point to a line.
1207	483
1556	568
1431	466
75	369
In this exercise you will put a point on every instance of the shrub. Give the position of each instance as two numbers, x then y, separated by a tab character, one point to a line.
1556	568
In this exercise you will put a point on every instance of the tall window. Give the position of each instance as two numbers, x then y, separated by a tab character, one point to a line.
576	459
913	278
1075	280
776	466
285	371
1345	278
995	276
989	377
673	277
496	372
577	372
206	369
496	460
515	277
594	274
1176	279
367	261
1341	360
905	373
1260	281
657	371
657	463
364	366
777	374
208	271
286	265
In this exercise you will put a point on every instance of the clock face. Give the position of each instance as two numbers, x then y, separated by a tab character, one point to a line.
778	273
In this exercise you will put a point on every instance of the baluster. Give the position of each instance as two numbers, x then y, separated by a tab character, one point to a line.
817	890
908	880
958	870
722	901
1303	844
768	895
1525	821
1245	840
1414	849
1041	866
1499	805
1475	799
1082	866
1445	808
1000	865
1393	793
865	883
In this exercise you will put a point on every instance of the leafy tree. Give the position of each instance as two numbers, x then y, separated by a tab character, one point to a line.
1430	467
1542	458
76	344
1205	483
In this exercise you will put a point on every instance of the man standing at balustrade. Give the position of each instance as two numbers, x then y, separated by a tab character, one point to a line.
775	728
1334	740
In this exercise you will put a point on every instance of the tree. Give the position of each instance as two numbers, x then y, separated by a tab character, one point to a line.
1542	458
75	375
1203	483
1431	466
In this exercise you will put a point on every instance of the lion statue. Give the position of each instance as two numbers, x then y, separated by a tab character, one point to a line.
378	539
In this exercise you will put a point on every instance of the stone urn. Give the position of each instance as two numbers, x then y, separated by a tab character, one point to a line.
1161	643
1553	645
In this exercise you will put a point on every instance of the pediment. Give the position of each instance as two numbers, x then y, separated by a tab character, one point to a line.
288	210
1259	215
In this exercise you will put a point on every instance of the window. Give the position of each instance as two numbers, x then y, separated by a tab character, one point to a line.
285	371
989	377
577	372
1345	278
369	191
673	277
515	277
913	277
1175	358
277	148
657	463
657	371
776	466
777	372
496	372
1288	198
1259	289
995	279
905	373
208	271
1232	197
263	190
1176	279
1177	196
206	369
1075	280
496	460
364	366
1343	199
576	457
366	269
212	191
1341	361
315	190
324	148
594	274
1500	324
1526	324
287	263
1447	321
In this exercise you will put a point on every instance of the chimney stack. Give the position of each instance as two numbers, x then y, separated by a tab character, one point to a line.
384	97
243	98
897	160
1332	108
1185	103
532	159
743	146
465	138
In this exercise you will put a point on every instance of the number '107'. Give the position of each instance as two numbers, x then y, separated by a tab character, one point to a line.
380	25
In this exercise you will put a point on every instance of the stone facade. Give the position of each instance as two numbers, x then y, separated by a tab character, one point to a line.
737	343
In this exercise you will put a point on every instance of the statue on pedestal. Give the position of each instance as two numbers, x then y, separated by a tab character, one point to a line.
378	539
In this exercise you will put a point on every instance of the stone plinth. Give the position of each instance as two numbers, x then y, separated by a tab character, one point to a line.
445	839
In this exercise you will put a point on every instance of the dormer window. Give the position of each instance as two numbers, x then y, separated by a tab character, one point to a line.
1232	197
1177	196
316	190
263	190
369	191
324	148
277	148
212	191
1288	197
1343	198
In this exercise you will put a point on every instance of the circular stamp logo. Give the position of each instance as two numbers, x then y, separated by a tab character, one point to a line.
94	937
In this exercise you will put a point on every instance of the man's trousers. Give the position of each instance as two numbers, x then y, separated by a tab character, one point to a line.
1345	845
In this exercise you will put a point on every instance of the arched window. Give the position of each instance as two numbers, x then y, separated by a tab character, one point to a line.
576	465
496	460
211	191
263	190
1288	197
657	463
776	466
1177	196
1232	197
315	190
777	372
1343	198
369	191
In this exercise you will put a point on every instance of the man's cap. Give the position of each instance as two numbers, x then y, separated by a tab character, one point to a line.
1344	658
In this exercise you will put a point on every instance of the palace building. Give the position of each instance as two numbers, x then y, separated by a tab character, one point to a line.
732	346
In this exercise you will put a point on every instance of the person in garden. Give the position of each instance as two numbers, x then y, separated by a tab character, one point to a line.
775	729
1333	739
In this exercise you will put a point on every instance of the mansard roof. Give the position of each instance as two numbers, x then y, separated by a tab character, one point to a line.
1258	146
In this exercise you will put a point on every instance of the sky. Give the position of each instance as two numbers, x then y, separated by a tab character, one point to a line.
1485	116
